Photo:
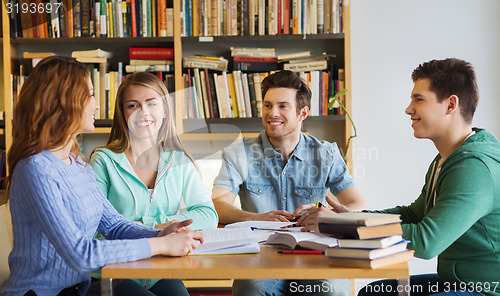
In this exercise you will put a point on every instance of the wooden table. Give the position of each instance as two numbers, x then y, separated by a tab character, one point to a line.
267	264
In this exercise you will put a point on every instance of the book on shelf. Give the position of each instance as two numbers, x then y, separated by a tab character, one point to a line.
376	253
91	53
360	218
255	66
149	68
373	264
217	64
137	62
306	66
253	52
373	243
305	240
37	55
227	241
292	55
254	59
360	232
92	60
153	53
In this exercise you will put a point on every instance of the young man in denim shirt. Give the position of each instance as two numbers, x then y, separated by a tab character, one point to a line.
282	173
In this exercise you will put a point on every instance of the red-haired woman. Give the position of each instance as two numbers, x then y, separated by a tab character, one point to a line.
55	202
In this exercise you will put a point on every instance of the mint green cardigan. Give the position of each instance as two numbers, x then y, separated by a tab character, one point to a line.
179	193
462	224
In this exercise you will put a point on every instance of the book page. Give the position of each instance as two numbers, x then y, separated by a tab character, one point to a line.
225	237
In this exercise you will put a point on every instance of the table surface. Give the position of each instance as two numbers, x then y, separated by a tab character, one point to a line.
267	264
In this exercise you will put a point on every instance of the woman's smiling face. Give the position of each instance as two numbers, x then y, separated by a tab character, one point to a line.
143	111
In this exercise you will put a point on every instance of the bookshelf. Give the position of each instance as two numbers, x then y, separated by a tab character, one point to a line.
332	127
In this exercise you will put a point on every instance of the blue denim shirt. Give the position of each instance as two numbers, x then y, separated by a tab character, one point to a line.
254	170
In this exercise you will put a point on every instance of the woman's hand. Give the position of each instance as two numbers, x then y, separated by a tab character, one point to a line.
175	244
174	226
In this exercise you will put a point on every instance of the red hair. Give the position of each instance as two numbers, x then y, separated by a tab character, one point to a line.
48	113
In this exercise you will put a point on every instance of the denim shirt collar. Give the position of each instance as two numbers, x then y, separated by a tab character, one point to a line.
300	152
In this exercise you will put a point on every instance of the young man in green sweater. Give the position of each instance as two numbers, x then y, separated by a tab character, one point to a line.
457	215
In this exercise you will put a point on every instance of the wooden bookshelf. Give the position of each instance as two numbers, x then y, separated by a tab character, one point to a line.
332	128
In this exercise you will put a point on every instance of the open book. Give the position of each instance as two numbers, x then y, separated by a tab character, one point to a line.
306	240
228	241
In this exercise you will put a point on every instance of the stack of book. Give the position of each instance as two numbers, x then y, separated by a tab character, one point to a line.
254	59
369	240
150	59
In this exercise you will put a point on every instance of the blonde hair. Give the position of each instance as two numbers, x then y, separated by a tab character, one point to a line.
168	138
49	110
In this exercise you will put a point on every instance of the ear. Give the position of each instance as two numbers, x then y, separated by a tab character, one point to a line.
452	104
304	113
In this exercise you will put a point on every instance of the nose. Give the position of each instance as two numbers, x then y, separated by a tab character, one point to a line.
274	112
409	109
96	104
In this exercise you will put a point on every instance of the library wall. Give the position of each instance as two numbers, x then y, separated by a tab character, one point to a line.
389	39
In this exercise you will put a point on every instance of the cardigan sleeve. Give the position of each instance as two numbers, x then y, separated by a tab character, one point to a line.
41	194
199	205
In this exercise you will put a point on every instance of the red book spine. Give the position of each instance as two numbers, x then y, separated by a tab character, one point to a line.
254	59
151	53
134	18
286	18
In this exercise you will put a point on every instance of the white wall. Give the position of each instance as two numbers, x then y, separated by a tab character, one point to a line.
389	39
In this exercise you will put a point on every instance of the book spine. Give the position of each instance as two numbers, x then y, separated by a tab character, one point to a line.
255	66
85	18
151	53
148	68
104	27
77	18
204	64
306	67
62	22
254	59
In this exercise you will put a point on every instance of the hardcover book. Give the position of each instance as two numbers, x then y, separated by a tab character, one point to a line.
360	232
375	263
153	53
360	218
366	253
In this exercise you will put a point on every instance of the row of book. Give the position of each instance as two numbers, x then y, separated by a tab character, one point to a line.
154	18
91	18
210	94
369	240
260	17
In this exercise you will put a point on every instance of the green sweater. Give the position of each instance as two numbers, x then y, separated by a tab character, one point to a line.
461	224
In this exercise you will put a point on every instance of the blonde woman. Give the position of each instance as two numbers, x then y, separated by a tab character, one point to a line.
144	169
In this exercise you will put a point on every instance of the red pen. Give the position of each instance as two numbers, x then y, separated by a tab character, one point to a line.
301	252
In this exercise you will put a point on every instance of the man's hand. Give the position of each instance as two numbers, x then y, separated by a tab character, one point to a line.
175	227
296	214
309	220
279	215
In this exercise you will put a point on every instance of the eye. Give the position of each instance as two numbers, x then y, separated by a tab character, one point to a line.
267	105
152	104
132	105
284	106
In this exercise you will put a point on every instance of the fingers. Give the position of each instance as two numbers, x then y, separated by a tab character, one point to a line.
337	207
185	223
302	208
198	236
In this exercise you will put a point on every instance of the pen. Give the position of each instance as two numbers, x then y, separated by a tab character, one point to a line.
301	252
320	205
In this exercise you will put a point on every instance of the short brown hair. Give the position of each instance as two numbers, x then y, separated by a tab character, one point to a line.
451	77
289	79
